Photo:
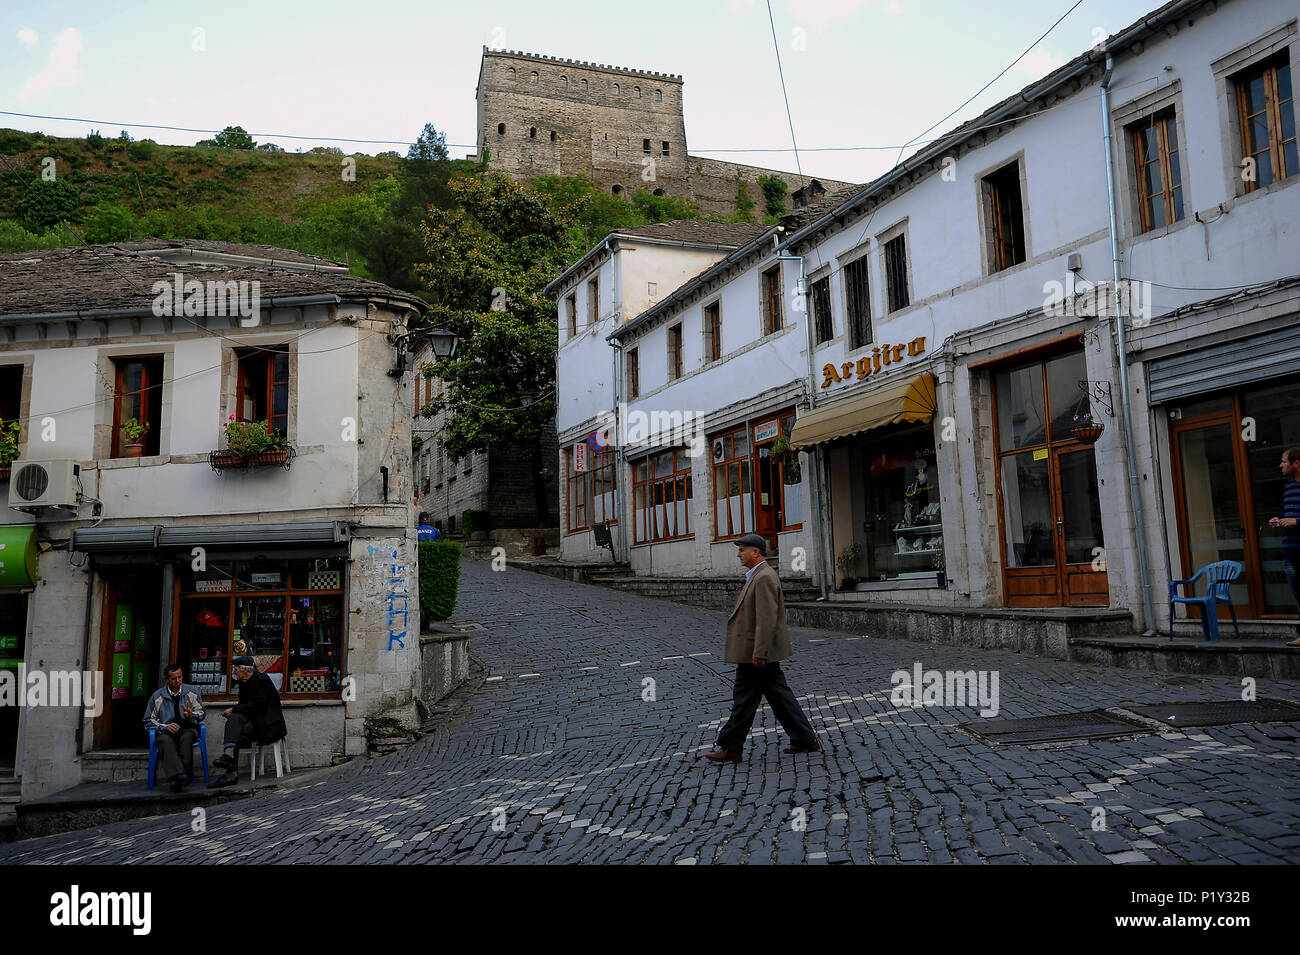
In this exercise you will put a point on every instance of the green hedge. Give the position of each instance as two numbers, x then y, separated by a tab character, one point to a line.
473	520
439	579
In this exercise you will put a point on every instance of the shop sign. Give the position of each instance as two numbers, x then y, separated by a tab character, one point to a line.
264	578
881	356
212	586
579	457
766	432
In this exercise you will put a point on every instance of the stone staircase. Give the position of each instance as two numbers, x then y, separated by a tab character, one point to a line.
10	793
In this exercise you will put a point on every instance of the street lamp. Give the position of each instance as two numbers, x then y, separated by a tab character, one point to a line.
443	343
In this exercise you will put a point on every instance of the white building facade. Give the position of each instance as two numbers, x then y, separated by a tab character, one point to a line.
957	326
176	551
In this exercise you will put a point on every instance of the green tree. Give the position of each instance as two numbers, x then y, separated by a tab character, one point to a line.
774	190
744	201
664	208
47	202
486	267
109	222
234	137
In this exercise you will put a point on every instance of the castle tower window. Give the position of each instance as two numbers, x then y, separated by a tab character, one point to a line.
512	74
617	190
501	129
552	135
564	82
645	146
615	89
665	149
659	192
532	132
637	92
659	96
584	86
533	77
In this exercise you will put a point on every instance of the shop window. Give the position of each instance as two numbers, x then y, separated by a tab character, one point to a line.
571	314
791	482
675	352
1159	180
264	387
604	479
137	396
713	330
771	305
1266	114
823	323
857	295
633	373
733	498
593	301
286	614
895	517
1005	217
896	273
661	497
576	481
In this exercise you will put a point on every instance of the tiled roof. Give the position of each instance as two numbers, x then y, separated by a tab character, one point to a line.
227	248
815	210
734	234
93	278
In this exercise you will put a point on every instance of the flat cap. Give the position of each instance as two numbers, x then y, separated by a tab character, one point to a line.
753	540
243	662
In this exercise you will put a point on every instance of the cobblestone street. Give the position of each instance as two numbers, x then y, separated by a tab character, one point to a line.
561	755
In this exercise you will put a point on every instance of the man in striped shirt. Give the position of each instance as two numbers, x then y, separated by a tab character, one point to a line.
1290	522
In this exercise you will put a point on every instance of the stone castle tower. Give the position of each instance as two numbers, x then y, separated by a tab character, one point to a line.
624	128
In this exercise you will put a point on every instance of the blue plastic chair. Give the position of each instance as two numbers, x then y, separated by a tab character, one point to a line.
201	742
1219	577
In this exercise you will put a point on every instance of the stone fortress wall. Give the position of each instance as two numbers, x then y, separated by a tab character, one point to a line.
625	128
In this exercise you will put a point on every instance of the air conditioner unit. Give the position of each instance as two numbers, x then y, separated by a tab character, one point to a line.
36	484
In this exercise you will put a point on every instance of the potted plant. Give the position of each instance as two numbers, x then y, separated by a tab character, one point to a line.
133	437
9	434
788	458
1087	429
848	563
251	442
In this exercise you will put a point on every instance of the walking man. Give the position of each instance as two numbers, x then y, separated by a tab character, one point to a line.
757	640
1288	521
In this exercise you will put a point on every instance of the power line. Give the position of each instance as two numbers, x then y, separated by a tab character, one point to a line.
776	46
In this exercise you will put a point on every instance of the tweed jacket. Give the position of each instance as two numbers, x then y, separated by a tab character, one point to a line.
757	627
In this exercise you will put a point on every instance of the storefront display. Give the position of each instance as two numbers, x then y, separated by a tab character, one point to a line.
286	614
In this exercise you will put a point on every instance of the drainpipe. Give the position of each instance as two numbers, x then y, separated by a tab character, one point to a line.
1139	511
814	497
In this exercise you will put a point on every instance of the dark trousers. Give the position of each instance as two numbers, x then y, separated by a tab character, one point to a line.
239	731
1291	563
752	685
176	752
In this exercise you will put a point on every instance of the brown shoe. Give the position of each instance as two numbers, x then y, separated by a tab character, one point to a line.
1294	643
813	747
723	756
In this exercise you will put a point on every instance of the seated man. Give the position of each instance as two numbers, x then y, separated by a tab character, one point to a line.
175	711
256	718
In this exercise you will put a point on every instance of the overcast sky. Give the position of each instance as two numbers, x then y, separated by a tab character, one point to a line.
859	72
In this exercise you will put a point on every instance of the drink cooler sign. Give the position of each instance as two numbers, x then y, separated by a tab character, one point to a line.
140	660
123	634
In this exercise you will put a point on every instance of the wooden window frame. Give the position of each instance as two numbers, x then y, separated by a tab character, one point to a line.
745	463
633	373
1168	162
593	301
150	393
675	352
713	330
577	500
1276	148
245	357
823	319
604	468
1007	240
789	416
644	506
770	280
571	312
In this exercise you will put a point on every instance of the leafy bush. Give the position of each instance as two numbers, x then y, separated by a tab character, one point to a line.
48	201
9	440
252	437
439	578
109	222
476	520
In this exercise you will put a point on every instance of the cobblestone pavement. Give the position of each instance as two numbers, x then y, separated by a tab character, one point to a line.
561	755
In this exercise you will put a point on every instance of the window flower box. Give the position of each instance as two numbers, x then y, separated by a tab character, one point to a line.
251	444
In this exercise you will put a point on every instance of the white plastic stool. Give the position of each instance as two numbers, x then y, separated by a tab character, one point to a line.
257	759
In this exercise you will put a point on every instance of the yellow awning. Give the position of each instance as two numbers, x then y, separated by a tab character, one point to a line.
908	400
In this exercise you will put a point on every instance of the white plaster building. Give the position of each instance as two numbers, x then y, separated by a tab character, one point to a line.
165	553
953	340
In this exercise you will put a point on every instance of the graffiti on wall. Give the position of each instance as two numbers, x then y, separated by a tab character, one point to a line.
396	593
